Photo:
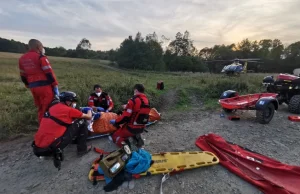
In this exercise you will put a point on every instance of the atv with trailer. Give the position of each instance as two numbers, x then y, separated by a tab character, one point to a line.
287	87
265	104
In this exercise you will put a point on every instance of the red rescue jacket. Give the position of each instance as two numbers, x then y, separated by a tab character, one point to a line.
35	70
104	101
136	114
49	129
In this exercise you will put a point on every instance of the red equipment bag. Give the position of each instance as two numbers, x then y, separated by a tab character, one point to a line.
269	175
160	85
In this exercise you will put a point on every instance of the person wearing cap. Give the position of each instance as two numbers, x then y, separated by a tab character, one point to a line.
100	101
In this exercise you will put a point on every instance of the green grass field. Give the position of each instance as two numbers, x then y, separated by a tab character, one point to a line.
19	116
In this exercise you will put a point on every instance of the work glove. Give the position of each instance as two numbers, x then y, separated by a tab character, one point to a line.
86	109
55	90
97	116
113	122
100	109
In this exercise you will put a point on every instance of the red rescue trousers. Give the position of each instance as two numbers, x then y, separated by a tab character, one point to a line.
43	96
121	135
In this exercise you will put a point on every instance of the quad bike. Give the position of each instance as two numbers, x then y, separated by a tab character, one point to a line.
287	87
265	104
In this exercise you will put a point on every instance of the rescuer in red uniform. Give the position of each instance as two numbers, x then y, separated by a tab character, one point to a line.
100	101
60	125
36	73
134	118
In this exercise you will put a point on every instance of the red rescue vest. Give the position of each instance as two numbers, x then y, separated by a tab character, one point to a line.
139	117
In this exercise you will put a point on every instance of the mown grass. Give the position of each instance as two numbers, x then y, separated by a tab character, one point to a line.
18	114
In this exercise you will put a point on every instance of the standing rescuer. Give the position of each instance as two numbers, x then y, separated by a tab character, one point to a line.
60	124
100	101
36	73
134	117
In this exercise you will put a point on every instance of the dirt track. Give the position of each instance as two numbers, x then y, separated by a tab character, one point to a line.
22	172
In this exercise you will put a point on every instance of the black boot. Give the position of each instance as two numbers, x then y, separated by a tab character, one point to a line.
81	153
57	158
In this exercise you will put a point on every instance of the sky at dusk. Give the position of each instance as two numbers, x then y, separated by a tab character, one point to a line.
106	23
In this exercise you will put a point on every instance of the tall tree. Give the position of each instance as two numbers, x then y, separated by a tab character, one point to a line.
139	54
84	44
182	45
164	42
255	49
189	44
277	49
155	55
244	48
293	50
207	53
176	46
82	49
125	56
138	37
152	37
265	47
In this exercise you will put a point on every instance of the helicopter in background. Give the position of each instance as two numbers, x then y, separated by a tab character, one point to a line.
236	68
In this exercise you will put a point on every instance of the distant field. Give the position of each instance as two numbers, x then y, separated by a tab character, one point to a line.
19	116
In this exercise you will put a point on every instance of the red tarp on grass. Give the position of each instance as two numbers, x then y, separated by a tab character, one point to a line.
269	175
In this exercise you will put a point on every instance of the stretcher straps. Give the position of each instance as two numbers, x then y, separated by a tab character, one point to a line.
100	151
96	176
164	178
176	171
167	176
95	167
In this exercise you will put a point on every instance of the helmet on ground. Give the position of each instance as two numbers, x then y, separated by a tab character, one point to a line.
268	79
68	96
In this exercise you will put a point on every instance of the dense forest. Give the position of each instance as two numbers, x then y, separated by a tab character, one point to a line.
179	54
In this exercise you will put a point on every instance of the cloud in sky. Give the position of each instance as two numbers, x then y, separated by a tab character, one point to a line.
106	23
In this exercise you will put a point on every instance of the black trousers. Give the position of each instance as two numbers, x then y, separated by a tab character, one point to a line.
77	130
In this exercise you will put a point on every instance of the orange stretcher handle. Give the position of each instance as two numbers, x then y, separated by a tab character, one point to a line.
98	150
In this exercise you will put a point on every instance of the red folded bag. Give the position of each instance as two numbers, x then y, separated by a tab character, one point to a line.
269	175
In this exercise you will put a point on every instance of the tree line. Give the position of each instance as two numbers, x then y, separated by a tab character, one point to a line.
275	57
179	54
82	50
